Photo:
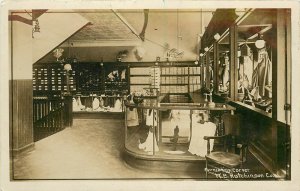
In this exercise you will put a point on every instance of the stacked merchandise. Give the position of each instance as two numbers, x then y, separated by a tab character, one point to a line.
139	79
194	79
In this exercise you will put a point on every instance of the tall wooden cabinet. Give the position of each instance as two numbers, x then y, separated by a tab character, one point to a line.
257	45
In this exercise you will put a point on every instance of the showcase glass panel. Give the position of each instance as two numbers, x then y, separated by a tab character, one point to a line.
255	64
210	70
224	66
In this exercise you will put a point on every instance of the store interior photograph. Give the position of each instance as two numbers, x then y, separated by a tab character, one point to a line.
202	94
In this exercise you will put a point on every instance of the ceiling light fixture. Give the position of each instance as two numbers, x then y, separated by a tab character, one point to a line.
57	53
260	43
217	36
67	67
35	28
206	49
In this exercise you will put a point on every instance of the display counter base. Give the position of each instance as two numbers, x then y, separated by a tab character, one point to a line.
98	115
168	163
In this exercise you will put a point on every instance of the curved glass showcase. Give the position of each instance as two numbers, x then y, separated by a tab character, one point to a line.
171	131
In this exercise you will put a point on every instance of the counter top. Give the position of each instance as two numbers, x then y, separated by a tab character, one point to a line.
155	104
197	97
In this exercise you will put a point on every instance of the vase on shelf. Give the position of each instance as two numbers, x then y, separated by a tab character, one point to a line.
138	99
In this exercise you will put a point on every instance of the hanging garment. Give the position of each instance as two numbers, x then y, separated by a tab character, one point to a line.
245	50
132	115
123	75
111	76
80	106
150	116
88	102
248	69
101	102
221	68
148	144
225	77
118	106
116	74
262	75
75	105
198	145
96	103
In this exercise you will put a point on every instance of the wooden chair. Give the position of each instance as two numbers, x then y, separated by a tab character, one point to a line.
233	152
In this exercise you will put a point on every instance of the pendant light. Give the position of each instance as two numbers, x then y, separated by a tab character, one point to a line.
36	29
67	67
260	43
217	36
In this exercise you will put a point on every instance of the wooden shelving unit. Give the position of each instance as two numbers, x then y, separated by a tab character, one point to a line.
139	78
180	79
177	78
50	80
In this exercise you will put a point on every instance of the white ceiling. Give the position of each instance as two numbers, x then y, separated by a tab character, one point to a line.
120	28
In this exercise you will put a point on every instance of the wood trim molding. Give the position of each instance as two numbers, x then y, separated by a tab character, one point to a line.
24	149
20	19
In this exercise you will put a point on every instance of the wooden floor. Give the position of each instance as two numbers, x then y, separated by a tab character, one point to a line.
94	149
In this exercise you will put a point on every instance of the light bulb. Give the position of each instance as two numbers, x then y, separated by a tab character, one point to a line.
206	49
201	54
260	43
36	35
217	36
68	67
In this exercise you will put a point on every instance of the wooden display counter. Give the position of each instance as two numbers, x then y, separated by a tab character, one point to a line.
149	124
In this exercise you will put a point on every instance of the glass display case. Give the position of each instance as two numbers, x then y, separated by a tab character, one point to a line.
98	103
223	66
163	130
100	87
210	69
255	65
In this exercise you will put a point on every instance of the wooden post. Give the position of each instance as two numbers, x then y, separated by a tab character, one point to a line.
207	84
202	70
216	67
68	109
233	67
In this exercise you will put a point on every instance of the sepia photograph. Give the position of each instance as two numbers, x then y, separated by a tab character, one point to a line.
155	92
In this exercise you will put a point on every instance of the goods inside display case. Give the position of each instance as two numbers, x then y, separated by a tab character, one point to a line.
162	129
